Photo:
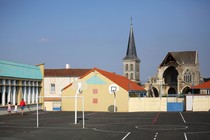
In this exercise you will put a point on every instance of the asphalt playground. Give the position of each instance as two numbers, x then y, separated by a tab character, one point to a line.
106	126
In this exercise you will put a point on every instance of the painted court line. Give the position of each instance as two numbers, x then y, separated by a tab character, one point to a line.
182	117
108	131
155	119
185	136
156	135
126	136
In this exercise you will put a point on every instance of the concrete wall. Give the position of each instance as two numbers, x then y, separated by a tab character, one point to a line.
201	103
147	104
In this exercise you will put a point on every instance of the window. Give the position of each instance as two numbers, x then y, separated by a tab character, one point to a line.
131	67
126	75
52	88
131	76
95	100
95	91
188	76
126	67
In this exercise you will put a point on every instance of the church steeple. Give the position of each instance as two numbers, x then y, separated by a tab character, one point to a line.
131	62
131	49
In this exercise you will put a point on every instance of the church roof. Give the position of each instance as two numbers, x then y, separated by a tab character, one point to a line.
181	58
121	81
131	49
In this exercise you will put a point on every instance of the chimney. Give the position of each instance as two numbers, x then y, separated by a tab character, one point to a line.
67	66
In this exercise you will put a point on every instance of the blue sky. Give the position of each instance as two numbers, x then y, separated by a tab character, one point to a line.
94	33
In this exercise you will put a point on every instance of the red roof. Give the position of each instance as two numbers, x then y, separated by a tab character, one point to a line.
121	81
205	85
65	72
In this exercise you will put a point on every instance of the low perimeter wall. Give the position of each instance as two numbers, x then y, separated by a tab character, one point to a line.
200	103
147	104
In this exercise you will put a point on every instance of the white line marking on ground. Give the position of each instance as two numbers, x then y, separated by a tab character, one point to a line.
201	132
156	134
90	114
185	136
126	136
161	127
108	131
86	115
182	117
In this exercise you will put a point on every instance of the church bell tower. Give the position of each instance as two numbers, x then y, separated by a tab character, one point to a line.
131	62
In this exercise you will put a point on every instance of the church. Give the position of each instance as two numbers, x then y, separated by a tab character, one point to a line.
176	74
131	62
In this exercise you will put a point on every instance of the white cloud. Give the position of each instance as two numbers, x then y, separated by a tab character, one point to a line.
44	40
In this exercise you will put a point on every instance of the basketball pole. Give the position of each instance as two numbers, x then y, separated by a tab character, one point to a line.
76	95
83	112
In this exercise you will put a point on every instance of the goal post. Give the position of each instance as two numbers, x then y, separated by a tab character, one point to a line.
75	105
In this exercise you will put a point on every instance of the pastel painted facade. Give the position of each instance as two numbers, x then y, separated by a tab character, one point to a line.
20	81
55	80
97	96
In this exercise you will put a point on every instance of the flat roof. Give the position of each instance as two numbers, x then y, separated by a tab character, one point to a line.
17	70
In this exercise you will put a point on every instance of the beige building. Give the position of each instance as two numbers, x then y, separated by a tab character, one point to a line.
177	73
54	81
97	96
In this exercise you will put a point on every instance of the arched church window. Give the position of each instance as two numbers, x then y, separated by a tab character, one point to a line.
126	67
188	76
126	75
131	76
131	67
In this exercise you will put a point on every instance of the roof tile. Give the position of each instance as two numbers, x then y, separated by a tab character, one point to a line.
122	81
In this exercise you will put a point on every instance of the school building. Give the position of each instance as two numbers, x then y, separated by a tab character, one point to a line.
54	81
97	95
20	81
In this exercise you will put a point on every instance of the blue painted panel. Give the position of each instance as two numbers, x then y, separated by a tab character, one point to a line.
95	80
176	107
16	70
56	109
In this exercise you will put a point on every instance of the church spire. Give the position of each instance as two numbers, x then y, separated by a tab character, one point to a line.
131	62
131	49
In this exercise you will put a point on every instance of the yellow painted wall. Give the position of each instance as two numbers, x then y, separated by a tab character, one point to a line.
147	104
48	105
41	100
105	100
201	103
